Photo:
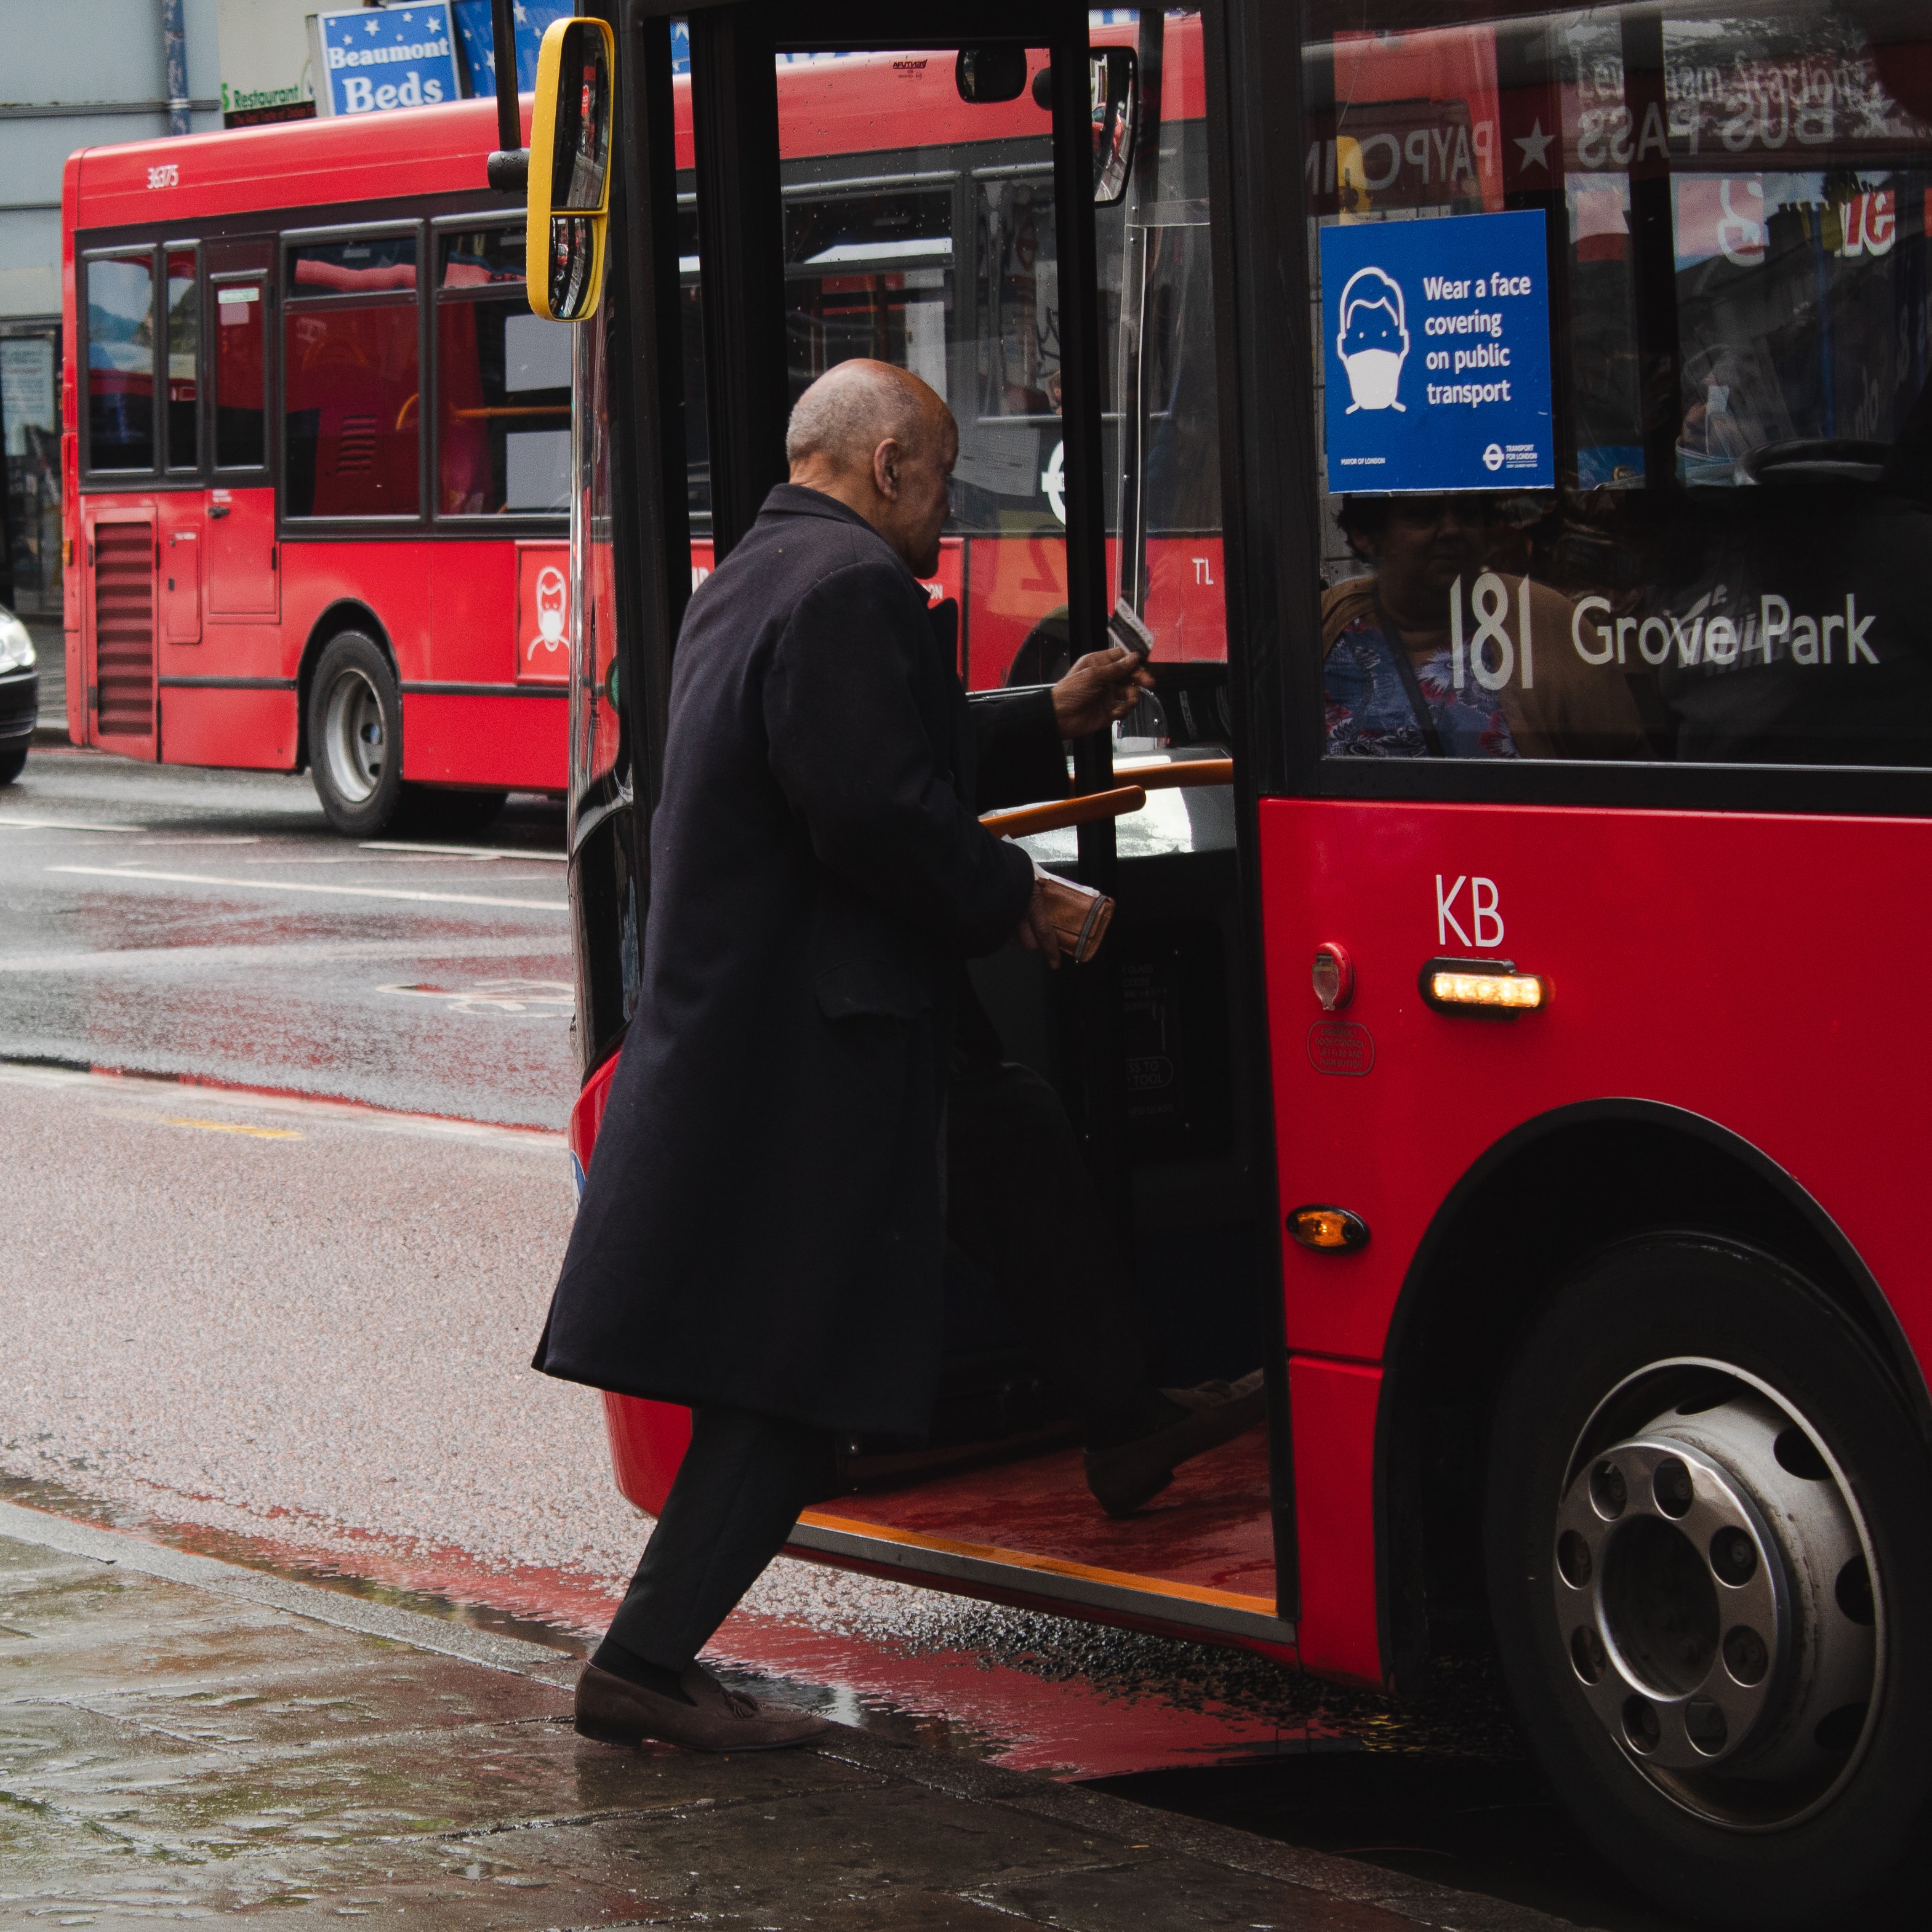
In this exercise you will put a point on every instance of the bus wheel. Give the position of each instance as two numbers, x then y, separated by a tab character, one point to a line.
446	814
356	736
1709	1582
12	761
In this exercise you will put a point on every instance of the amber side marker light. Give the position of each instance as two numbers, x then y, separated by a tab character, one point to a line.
1490	986
1327	1227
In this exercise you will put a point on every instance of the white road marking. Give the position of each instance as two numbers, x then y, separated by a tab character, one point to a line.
460	851
291	885
170	958
63	825
501	996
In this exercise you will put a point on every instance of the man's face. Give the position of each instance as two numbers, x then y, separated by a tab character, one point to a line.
915	517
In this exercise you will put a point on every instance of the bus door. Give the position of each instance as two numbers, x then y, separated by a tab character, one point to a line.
241	560
934	205
181	537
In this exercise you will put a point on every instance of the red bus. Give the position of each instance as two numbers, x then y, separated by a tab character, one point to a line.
318	455
1467	1057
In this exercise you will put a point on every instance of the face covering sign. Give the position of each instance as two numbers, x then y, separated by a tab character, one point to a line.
1436	339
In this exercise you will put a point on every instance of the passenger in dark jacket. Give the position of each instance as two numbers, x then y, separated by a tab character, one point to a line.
761	1233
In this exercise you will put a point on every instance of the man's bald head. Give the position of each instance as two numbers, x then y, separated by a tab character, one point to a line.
879	441
855	406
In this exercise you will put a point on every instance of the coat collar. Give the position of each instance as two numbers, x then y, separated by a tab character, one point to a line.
793	499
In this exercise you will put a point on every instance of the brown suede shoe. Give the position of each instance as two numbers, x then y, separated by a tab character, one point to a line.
616	1711
1131	1473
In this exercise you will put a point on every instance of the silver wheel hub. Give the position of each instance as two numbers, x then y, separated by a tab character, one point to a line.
353	738
1714	1595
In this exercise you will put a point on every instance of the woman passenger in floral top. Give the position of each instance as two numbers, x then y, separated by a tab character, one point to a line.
1388	671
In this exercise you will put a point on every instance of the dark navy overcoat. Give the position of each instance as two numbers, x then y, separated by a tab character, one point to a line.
762	1224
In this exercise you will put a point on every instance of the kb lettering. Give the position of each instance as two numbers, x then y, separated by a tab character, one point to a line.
1484	912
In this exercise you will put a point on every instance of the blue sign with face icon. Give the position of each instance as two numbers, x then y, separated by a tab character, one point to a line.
1435	348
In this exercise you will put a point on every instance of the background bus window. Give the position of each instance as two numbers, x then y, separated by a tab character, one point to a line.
869	274
1713	555
368	265
184	361
120	362
353	412
502	388
486	258
241	389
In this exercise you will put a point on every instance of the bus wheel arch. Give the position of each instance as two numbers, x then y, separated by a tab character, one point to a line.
1526	1215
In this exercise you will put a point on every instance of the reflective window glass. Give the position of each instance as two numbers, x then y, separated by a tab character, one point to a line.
352	415
241	419
489	258
184	356
121	363
368	265
503	391
691	308
1623	347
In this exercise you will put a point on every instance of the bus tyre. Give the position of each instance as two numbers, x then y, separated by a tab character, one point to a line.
12	761
1710	1581
356	736
438	811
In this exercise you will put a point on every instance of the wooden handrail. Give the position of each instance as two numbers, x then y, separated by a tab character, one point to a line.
1182	772
1056	814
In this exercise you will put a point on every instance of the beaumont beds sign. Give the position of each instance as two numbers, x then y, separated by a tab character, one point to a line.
377	58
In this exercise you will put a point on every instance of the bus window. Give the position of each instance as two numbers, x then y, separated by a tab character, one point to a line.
367	265
352	392
120	362
690	307
184	356
870	274
1626	359
1019	360
488	258
241	396
502	387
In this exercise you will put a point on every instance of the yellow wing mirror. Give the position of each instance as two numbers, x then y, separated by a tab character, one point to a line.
570	168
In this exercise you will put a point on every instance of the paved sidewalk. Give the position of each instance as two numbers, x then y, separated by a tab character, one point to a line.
182	1739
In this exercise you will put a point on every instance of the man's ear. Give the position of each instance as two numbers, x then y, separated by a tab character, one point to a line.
886	470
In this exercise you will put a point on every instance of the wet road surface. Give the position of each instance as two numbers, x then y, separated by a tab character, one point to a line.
209	922
294	1332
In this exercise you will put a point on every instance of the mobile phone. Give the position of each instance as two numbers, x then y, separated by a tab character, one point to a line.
1129	630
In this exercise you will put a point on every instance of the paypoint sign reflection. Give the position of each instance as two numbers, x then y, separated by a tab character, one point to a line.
1435	337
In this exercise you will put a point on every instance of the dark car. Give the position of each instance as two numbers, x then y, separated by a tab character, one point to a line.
19	695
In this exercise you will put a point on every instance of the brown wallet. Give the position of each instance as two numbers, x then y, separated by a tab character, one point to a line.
1081	916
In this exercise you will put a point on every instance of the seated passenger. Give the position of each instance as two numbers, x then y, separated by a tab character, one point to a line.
1389	661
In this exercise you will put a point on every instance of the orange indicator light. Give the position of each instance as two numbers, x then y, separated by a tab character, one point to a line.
1483	986
1327	1227
1488	989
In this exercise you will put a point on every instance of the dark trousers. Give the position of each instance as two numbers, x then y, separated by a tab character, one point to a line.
1020	1202
737	1495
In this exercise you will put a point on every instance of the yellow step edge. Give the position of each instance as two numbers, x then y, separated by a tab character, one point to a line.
1051	1566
